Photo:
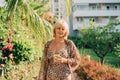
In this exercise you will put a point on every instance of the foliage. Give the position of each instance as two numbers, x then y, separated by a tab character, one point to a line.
21	52
92	70
22	34
117	50
16	51
26	13
77	41
101	39
110	59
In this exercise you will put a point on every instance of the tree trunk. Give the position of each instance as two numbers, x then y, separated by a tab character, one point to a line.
102	60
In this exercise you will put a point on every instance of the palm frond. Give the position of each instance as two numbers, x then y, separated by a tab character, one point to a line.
42	29
68	7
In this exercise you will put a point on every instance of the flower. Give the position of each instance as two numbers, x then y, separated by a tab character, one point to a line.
11	56
8	46
11	33
2	65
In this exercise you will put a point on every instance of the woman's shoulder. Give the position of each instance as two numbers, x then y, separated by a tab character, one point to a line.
69	41
48	43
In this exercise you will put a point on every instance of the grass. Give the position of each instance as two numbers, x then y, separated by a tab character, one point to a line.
110	59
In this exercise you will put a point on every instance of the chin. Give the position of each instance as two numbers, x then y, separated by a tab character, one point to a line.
61	36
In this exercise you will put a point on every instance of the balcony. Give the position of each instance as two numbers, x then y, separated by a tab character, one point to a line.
90	13
96	1
86	25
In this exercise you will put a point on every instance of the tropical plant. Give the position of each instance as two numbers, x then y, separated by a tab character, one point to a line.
27	11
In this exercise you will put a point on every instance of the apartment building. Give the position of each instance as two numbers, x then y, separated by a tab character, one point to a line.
58	8
97	10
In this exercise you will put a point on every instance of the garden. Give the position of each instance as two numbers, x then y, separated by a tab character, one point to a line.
26	25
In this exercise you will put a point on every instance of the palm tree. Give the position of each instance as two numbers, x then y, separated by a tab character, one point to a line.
30	10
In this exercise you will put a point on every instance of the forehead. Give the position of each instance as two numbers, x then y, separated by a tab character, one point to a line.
60	25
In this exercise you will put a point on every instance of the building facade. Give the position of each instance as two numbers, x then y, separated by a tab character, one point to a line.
58	8
97	10
85	10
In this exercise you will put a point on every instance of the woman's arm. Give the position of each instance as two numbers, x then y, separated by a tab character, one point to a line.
74	58
44	63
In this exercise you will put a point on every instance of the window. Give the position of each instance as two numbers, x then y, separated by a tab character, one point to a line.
56	0
115	7
108	7
77	18
57	13
57	9
93	7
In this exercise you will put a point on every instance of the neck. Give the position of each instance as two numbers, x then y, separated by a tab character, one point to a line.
57	39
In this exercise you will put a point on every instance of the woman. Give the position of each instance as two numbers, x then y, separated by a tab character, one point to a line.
61	57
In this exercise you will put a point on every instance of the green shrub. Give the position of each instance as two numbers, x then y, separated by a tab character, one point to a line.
77	41
21	52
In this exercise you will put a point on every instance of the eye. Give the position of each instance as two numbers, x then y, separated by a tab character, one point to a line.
58	28
63	29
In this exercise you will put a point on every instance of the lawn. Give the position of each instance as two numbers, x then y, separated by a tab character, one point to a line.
110	59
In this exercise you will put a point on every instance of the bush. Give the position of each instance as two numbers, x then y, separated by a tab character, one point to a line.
21	52
92	70
77	41
15	51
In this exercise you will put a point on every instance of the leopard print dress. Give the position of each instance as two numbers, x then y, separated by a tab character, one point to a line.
55	70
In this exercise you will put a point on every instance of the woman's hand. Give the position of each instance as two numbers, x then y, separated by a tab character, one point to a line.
60	59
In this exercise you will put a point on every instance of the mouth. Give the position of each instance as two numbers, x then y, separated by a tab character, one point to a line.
60	33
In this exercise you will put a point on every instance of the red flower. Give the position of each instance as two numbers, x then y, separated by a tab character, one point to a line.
8	46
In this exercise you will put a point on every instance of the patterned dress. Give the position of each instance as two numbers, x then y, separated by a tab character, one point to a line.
56	71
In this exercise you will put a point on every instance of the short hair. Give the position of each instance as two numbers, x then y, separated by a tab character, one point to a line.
61	22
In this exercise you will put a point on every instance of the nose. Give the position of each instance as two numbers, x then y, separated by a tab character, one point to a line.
61	30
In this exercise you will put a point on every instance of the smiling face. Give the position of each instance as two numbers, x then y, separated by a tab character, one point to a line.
61	29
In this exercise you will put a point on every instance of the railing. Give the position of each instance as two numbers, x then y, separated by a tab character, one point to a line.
96	1
86	13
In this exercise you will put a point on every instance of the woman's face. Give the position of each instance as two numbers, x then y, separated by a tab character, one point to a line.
60	31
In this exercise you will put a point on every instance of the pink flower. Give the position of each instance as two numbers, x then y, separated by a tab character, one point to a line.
5	47
2	65
10	47
9	40
11	33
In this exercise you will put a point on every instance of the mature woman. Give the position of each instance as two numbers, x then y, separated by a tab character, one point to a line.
61	57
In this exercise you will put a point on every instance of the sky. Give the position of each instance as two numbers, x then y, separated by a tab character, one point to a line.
2	3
